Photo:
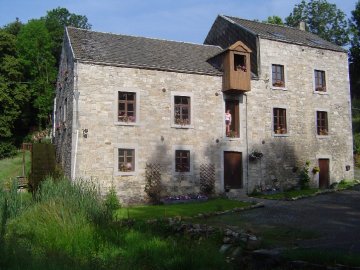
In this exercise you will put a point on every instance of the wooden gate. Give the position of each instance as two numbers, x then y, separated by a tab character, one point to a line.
233	170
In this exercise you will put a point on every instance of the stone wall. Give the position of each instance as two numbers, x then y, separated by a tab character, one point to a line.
283	156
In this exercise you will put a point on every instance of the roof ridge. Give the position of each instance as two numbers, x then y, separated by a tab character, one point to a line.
159	39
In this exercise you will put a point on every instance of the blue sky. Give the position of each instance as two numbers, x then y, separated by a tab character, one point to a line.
185	20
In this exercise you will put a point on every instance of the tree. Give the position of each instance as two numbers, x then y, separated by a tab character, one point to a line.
13	93
355	51
274	20
56	20
321	18
35	47
14	27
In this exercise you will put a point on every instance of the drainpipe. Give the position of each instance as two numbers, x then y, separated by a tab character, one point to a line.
247	146
75	120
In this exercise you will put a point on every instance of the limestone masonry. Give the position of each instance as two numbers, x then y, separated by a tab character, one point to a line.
123	102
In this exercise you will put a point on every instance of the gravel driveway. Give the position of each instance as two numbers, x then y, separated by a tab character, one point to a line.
335	217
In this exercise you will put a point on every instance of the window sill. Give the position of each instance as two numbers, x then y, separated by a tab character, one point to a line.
280	135
232	138
321	93
322	136
126	124
279	88
183	173
182	126
124	173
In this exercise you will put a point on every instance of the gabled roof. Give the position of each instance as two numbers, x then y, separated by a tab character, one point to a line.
140	52
283	33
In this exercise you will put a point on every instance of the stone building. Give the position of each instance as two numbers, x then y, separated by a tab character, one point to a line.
125	103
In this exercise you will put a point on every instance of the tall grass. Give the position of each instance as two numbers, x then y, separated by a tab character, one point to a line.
69	226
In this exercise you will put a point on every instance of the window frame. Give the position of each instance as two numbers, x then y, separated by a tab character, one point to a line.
286	122
238	101
136	110
132	147
188	148
317	122
284	75
191	108
326	92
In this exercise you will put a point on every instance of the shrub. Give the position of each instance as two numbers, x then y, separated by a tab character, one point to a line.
304	178
7	149
111	201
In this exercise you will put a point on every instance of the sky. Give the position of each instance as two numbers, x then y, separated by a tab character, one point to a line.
182	20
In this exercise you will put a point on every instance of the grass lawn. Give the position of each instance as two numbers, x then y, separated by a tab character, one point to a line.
12	167
183	210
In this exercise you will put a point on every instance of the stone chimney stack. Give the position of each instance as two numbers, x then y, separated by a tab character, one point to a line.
302	26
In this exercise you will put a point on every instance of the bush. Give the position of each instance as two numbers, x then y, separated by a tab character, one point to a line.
304	178
111	201
7	149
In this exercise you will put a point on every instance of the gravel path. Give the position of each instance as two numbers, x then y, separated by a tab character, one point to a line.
334	216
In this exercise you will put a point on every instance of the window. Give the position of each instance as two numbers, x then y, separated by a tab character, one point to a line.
278	76
232	127
126	160
127	107
280	126
182	110
320	82
182	161
322	123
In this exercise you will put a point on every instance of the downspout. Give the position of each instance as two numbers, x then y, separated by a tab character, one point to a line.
247	146
76	118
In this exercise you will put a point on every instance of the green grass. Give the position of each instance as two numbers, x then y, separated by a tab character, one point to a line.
326	257
183	210
346	184
12	167
288	194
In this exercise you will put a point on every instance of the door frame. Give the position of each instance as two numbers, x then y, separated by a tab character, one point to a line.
330	167
244	165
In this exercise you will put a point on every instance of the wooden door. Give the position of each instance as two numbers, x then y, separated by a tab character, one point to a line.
233	170
324	179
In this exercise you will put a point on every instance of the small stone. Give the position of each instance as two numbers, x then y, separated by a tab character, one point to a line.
237	252
227	240
224	248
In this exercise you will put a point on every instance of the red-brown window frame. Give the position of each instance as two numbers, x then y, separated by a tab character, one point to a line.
126	115
280	124
322	124
181	104
278	75
182	160
125	157
320	80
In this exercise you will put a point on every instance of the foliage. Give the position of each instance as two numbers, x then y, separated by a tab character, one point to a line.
321	18
153	186
14	28
274	20
355	51
35	48
57	231
7	149
55	21
13	94
304	178
315	170
346	184
112	202
255	155
184	210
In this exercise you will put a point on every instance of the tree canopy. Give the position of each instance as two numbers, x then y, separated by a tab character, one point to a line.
321	18
274	20
355	51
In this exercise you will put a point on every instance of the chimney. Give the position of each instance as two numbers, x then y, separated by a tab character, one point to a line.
302	26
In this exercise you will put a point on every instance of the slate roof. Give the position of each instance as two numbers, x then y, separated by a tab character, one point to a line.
284	33
130	51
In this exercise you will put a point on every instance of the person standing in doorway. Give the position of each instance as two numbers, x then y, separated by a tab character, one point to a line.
227	122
